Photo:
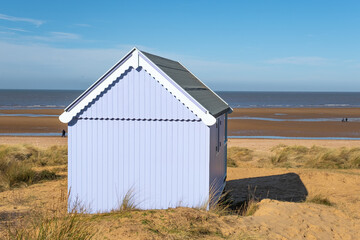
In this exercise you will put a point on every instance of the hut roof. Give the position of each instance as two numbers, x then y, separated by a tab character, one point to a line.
200	98
191	84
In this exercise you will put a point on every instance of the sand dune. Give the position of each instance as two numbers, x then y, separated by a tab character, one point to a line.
283	211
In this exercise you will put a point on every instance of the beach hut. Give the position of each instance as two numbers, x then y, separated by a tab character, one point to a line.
148	130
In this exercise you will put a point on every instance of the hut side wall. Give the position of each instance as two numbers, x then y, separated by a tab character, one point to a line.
217	157
137	138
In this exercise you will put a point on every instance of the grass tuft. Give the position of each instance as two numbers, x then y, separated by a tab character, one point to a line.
52	223
67	227
319	199
249	207
127	203
297	157
236	154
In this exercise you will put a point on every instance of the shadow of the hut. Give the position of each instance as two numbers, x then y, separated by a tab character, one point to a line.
284	187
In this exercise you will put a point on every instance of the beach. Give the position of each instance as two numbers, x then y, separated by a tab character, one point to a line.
30	124
285	122
286	199
310	122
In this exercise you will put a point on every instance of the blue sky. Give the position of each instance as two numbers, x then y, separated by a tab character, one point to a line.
230	45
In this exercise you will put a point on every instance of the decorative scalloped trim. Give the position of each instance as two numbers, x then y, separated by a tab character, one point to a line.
133	62
140	119
122	75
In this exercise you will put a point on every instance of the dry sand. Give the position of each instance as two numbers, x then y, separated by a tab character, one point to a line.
282	212
36	141
265	145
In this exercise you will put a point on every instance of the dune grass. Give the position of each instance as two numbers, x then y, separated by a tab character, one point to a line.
176	223
298	157
236	154
53	223
316	157
54	155
70	226
127	203
319	199
17	162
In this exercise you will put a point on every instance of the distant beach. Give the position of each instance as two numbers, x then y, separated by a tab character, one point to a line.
297	115
251	122
295	122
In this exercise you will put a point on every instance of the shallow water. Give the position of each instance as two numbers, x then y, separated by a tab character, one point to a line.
26	115
32	134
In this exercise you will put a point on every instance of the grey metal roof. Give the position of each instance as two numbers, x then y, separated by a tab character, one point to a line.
192	85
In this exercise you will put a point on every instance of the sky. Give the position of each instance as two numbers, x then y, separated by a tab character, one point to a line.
247	45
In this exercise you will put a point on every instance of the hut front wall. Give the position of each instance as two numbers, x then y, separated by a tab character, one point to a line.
137	139
217	157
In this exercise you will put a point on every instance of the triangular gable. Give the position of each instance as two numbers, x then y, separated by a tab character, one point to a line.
136	95
135	59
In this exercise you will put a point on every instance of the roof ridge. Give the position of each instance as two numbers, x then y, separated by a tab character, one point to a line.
160	57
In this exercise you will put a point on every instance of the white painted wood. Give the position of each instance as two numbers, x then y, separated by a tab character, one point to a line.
135	61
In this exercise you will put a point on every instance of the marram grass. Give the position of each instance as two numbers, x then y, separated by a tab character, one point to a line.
17	162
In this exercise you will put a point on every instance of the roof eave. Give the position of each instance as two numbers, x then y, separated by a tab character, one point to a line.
227	110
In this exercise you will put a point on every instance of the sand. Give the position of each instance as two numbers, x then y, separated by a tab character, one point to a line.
19	124
267	144
282	212
243	127
12	124
37	141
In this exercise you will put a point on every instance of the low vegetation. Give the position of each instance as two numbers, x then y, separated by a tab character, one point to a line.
319	199
54	155
297	157
52	223
17	164
69	226
129	222
316	157
237	154
127	203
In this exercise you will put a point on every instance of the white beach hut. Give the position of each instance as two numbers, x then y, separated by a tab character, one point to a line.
148	127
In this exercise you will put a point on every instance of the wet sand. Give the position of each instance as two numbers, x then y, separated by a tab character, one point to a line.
19	124
237	127
290	113
249	127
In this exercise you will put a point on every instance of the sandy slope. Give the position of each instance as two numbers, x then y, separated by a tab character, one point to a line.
273	220
286	220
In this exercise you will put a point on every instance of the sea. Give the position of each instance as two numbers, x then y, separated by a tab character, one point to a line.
59	99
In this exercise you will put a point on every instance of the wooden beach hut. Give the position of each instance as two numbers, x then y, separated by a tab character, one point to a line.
150	129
